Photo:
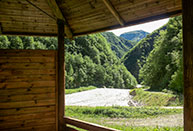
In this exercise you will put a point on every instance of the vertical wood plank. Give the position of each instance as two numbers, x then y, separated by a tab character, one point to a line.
60	72
188	63
56	90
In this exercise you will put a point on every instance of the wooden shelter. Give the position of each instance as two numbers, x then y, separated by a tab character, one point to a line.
32	81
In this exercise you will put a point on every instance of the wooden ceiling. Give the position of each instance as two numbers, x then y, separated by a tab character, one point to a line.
38	17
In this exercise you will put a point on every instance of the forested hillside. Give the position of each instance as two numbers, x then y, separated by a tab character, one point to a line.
134	36
156	60
89	60
163	68
136	57
118	44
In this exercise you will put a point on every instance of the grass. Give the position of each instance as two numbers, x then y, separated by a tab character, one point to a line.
134	128
70	91
125	128
111	116
155	98
118	112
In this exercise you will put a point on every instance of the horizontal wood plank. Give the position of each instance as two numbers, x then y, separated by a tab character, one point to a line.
28	97
27	123
27	59
27	53
28	110
27	66
21	117
22	72
35	103
27	78
50	127
24	91
32	84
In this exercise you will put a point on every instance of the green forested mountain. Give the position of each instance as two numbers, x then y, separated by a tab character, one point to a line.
134	36
118	44
89	60
163	68
95	64
136	57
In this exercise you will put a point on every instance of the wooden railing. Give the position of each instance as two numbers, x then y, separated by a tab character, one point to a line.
84	125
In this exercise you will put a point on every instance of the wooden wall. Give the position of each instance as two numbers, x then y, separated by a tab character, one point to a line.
27	90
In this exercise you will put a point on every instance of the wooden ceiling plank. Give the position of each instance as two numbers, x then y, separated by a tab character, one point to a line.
58	14
114	12
40	9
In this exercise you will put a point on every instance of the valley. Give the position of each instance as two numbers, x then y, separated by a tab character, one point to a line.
102	72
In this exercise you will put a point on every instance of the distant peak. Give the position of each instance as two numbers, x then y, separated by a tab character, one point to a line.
135	31
135	35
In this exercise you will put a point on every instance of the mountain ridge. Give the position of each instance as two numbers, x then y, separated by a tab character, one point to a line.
134	36
136	57
118	44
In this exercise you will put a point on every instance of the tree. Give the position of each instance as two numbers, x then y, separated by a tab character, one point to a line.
15	42
4	42
163	67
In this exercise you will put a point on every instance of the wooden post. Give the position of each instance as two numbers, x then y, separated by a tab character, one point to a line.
60	77
188	63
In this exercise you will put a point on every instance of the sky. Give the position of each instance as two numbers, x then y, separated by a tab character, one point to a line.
148	27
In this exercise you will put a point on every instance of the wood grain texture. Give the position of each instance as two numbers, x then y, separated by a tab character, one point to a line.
27	110
27	90
114	12
83	17
86	125
49	127
60	76
188	63
58	14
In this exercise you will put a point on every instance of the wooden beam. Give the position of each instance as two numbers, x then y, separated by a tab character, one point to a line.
132	23
86	125
60	76
188	63
58	14
70	129
114	12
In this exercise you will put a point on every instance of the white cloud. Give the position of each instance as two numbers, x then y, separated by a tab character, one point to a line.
148	27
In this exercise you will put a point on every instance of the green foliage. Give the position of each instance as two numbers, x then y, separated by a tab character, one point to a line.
163	67
148	98
92	62
134	36
15	42
70	91
119	45
136	57
28	42
4	42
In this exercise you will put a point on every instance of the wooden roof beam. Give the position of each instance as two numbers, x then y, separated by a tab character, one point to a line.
114	12
58	14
